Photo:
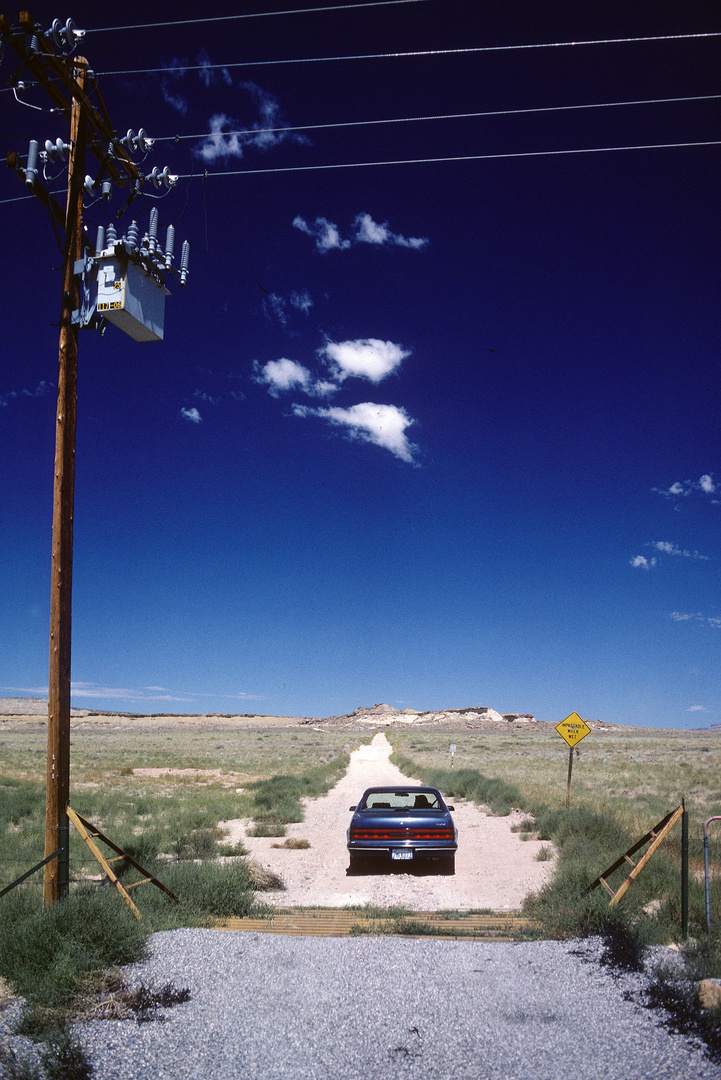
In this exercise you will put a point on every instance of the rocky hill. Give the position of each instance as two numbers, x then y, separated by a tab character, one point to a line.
382	715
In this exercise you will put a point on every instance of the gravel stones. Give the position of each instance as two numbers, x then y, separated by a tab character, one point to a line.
268	1007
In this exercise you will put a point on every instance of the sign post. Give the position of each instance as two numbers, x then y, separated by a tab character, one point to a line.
572	729
453	750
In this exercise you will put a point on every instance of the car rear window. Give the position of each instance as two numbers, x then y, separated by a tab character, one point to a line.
401	800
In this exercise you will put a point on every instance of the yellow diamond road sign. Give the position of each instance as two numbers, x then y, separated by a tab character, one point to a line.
573	729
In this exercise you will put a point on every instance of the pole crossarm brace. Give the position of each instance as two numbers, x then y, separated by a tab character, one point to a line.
656	836
90	833
54	73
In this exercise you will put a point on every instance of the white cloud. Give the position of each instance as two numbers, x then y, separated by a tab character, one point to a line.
643	562
221	145
192	414
368	231
382	425
697	708
301	301
678	489
209	399
670	549
210	75
697	616
281	375
324	232
41	390
274	306
366	358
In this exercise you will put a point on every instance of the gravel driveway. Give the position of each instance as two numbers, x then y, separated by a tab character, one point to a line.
264	1007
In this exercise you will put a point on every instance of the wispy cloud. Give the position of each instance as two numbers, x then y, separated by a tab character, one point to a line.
683	489
210	75
192	415
301	301
364	358
665	547
668	548
368	231
697	708
281	376
277	307
265	133
696	616
172	80
41	390
382	425
98	692
324	232
364	230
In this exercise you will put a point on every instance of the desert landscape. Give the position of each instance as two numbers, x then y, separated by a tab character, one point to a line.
127	769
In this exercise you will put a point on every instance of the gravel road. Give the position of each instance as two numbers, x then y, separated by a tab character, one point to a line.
264	1007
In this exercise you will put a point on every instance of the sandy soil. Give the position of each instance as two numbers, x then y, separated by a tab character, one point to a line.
494	868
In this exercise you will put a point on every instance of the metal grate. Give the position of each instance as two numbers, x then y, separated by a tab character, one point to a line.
344	922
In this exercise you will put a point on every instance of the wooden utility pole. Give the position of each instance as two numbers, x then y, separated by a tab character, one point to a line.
57	872
66	82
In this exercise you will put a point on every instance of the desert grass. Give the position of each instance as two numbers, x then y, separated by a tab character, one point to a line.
638	774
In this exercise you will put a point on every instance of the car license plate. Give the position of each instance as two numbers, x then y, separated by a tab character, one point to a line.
401	853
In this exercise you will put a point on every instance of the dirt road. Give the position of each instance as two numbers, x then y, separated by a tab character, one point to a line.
494	868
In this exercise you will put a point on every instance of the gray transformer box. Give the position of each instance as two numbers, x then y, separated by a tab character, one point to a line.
130	299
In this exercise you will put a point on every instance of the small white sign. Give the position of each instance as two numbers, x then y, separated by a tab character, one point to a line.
453	748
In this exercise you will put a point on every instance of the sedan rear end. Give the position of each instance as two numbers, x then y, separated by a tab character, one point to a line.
402	825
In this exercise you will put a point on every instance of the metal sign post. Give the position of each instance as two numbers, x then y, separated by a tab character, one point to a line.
572	729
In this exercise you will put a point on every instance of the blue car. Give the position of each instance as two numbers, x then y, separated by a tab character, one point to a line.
402	825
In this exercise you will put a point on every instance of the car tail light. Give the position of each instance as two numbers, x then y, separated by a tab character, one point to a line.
401	833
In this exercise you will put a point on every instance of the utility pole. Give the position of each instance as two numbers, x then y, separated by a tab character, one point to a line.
57	872
136	274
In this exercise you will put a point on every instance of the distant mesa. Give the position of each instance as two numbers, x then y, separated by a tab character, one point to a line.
383	714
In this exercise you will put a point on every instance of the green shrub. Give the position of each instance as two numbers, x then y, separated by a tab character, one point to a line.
44	954
267	827
499	795
277	800
209	889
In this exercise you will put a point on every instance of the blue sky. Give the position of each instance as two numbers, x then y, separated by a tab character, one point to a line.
435	434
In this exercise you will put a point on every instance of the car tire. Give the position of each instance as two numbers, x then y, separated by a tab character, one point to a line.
448	864
356	863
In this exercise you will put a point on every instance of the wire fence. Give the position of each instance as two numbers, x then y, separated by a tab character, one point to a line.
22	850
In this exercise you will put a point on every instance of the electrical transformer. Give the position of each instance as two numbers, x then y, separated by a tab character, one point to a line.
130	298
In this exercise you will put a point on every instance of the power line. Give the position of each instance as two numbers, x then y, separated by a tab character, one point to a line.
471	50
255	15
461	157
430	161
443	116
